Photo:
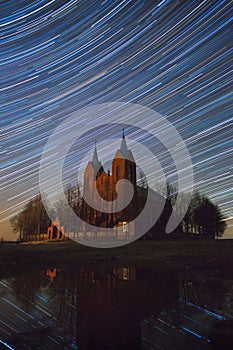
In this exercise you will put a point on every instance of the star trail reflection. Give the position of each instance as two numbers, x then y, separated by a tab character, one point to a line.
59	56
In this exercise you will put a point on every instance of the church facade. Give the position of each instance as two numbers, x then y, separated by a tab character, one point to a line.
105	205
101	185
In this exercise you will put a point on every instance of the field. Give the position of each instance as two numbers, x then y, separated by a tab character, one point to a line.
205	257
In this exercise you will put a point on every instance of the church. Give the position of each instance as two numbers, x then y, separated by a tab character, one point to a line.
101	185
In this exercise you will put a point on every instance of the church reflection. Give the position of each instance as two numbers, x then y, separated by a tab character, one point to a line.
110	303
112	309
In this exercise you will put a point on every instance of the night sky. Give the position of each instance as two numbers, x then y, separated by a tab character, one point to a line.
59	56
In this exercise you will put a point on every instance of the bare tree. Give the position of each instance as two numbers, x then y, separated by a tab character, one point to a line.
31	221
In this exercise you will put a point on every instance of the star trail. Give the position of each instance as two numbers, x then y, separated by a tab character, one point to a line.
171	56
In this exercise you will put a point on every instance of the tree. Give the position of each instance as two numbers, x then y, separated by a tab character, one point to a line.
141	178
202	216
189	226
18	224
31	221
208	218
74	198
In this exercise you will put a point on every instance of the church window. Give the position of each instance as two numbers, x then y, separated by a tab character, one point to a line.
130	172
118	172
125	274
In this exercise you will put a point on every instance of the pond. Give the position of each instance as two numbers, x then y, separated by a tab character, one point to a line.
116	308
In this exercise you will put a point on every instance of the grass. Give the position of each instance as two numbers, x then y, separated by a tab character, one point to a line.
209	257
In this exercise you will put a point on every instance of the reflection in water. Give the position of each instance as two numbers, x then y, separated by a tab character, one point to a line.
111	303
192	320
25	288
52	273
119	308
115	306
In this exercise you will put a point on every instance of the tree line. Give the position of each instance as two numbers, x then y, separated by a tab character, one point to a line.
31	222
203	218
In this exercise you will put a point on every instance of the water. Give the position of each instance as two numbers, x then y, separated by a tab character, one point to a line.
110	309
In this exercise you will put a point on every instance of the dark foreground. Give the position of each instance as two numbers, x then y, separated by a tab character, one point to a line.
146	295
212	257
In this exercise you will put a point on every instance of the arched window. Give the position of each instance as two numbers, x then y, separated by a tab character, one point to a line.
87	181
118	172
130	172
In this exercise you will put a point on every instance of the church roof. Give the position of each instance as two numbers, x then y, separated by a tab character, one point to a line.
123	148
95	160
124	152
130	156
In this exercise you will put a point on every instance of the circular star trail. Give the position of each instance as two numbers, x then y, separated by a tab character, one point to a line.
171	56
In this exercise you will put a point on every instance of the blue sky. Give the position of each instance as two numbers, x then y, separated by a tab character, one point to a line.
59	56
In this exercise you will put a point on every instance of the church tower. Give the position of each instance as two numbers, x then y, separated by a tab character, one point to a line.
94	167
123	165
90	174
95	177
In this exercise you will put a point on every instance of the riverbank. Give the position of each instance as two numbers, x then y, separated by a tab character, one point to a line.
212	257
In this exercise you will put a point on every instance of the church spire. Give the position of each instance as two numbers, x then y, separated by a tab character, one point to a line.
95	161
123	148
